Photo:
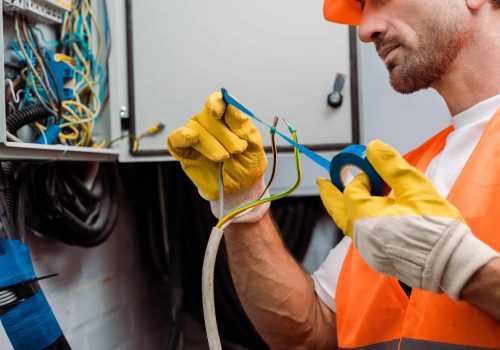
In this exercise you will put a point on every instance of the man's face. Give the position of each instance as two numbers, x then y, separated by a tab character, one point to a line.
418	40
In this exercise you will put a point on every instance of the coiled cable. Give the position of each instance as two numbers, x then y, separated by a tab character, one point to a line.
72	202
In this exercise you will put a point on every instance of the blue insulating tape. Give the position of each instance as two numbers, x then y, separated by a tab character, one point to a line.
51	135
321	161
351	155
15	263
354	155
31	325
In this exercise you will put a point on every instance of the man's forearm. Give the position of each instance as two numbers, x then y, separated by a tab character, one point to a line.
483	289
277	294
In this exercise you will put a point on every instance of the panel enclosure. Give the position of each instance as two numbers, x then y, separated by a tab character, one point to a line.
278	58
44	17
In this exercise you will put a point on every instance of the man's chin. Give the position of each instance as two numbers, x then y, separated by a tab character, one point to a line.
405	85
405	81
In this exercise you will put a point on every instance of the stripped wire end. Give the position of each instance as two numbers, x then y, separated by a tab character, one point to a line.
275	124
291	128
156	129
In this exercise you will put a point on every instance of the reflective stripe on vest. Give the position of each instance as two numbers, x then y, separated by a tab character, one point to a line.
390	345
373	309
412	344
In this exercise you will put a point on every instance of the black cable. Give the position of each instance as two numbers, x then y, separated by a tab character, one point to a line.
62	202
26	116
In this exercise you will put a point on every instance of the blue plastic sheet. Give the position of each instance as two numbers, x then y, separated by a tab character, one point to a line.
15	263
31	325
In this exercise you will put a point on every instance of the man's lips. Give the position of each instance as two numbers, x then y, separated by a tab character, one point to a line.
385	50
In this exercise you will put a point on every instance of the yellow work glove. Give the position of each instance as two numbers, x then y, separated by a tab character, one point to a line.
221	133
414	235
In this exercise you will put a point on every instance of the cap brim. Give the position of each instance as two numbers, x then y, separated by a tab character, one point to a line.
342	11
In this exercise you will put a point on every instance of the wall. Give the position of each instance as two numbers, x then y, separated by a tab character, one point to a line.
104	297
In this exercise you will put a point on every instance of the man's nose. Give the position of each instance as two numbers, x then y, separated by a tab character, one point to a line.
371	26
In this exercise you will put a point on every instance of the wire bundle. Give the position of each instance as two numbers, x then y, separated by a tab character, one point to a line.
75	203
79	47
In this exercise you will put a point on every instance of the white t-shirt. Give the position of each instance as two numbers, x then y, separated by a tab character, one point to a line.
442	171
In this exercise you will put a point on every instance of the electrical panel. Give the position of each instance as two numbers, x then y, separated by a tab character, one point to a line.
275	64
55	102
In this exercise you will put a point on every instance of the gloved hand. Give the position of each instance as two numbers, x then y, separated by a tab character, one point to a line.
333	201
414	235
221	133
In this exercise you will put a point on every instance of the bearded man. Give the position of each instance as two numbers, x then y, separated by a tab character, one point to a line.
419	268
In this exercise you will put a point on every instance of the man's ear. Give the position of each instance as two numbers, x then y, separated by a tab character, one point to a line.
475	4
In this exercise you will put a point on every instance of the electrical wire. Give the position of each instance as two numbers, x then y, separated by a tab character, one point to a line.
155	129
12	137
274	149
232	214
29	62
49	69
27	75
15	96
38	58
213	246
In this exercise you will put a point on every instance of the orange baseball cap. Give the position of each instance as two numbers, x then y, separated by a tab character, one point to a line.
342	11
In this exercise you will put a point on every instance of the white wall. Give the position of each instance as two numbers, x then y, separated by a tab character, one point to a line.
104	297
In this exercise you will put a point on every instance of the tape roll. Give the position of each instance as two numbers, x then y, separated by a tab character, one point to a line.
354	155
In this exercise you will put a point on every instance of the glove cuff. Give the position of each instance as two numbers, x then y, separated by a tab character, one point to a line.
235	200
469	256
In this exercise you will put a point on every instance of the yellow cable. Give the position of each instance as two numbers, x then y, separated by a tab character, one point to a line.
40	61
94	94
40	126
72	121
99	31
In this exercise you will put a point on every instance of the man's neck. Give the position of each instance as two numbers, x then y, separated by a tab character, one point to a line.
475	75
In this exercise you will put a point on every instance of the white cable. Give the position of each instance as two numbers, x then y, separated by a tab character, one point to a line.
221	192
15	97
13	137
18	97
207	283
207	287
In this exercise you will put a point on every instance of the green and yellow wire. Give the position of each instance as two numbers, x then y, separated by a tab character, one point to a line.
283	194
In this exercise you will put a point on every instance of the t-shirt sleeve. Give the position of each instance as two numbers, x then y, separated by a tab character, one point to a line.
327	275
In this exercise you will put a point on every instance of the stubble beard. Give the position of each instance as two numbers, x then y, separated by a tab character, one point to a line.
417	68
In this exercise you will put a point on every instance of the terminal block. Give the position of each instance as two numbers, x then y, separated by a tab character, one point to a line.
49	11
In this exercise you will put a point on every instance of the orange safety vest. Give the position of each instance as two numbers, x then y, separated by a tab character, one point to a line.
373	311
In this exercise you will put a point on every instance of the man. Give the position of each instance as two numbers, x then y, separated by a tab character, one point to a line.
422	272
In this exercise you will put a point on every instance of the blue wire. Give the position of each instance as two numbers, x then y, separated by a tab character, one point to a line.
51	43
